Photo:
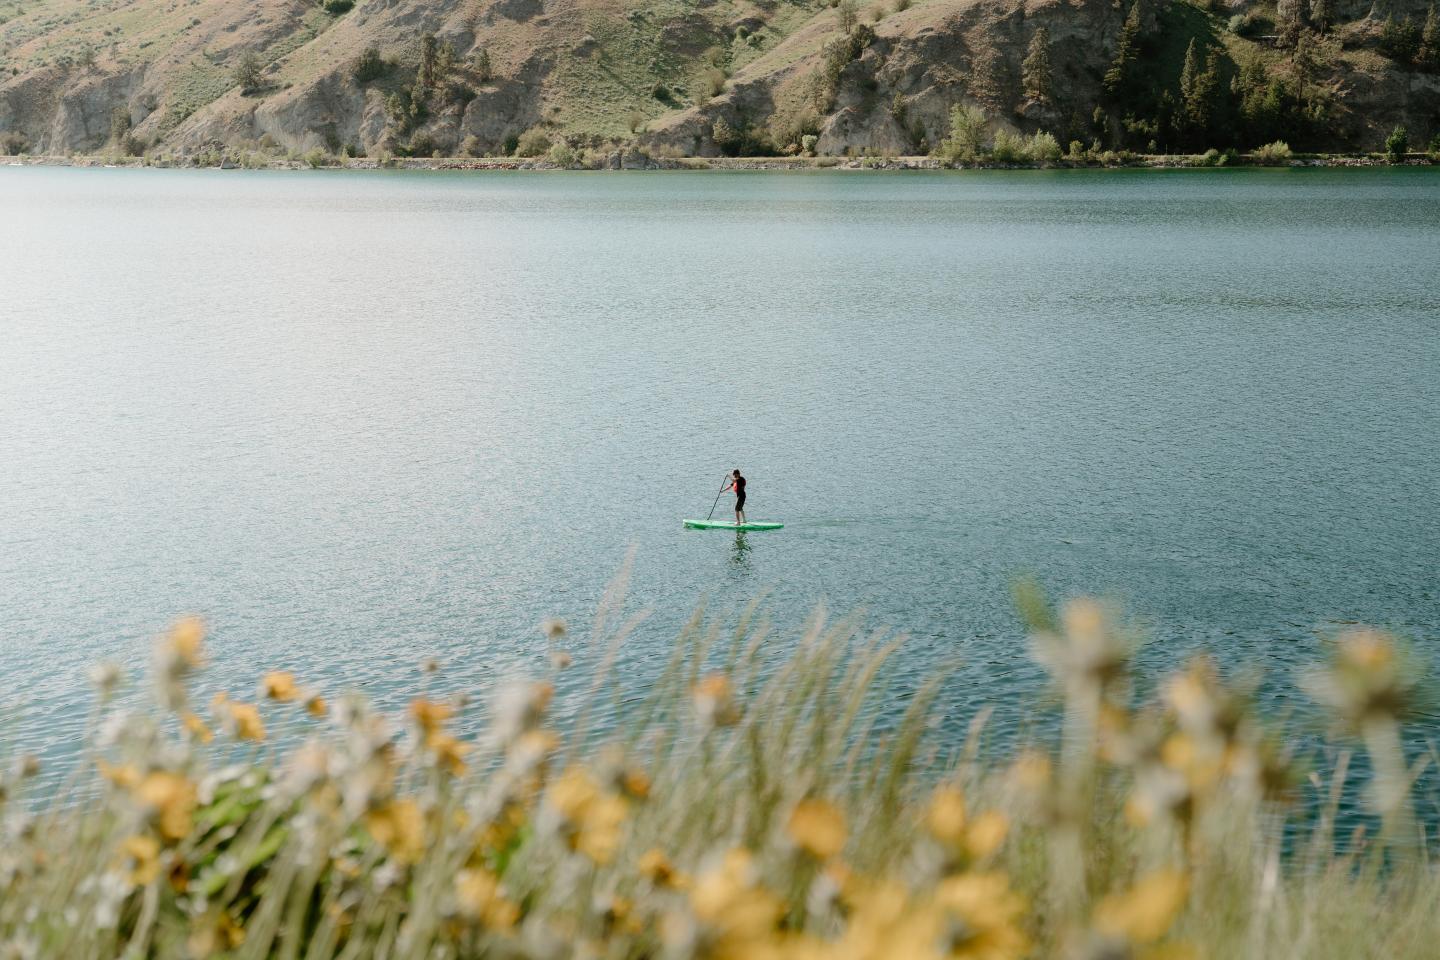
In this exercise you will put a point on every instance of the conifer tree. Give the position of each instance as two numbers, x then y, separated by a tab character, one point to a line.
1117	78
1188	73
1290	20
1322	14
1429	58
429	50
1035	70
1198	89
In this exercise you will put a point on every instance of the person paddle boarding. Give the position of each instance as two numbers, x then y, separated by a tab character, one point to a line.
737	483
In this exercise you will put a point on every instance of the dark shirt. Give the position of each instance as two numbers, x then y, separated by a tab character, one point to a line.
739	486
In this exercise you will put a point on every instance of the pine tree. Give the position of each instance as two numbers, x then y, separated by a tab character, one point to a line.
1198	89
1290	20
1429	58
1117	78
1321	15
1188	73
1035	71
425	76
481	64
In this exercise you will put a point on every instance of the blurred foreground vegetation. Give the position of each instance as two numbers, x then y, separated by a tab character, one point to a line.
748	809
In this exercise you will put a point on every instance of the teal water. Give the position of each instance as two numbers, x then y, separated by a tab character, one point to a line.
356	420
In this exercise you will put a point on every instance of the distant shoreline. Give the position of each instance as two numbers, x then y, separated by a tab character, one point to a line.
638	161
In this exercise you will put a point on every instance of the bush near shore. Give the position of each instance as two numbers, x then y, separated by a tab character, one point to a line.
749	806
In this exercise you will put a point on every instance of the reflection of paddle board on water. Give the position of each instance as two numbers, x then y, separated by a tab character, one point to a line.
732	525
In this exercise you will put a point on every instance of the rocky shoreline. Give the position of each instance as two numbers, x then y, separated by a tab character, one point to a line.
640	161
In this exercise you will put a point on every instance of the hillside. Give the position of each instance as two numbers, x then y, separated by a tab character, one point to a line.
701	77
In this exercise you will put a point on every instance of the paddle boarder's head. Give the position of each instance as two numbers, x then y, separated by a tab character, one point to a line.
735	472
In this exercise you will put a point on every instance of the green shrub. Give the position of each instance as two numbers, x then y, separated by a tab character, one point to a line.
561	155
369	66
316	158
336	7
1009	147
1397	144
249	72
1210	158
1273	154
808	143
713	82
724	135
967	134
532	143
1044	148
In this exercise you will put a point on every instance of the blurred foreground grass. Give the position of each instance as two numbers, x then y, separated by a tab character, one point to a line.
748	809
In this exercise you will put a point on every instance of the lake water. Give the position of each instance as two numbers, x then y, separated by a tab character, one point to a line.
359	419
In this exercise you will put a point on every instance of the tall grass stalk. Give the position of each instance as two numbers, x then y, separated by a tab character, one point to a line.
756	802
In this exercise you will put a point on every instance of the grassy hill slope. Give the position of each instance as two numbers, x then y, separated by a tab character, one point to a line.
705	76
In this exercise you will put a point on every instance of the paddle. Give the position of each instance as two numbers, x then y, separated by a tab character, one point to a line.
717	498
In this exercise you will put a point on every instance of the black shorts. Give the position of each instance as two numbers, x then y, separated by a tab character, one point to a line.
740	502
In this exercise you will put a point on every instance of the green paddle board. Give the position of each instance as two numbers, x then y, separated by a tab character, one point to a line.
731	525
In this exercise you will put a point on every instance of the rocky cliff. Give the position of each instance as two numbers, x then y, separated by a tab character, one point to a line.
702	77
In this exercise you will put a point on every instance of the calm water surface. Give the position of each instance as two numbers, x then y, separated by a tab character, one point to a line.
360	419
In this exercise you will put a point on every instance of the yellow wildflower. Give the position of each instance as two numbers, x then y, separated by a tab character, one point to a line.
399	827
817	828
186	640
636	784
1144	913
887	923
730	899
240	719
144	852
947	821
989	913
595	818
478	894
987	834
571	793
449	752
600	831
196	727
214	933
657	868
279	685
123	775
429	715
173	798
946	816
714	701
248	725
